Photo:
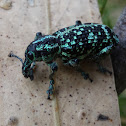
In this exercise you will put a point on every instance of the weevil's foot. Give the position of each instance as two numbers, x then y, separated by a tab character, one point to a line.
86	76
31	77
38	36
31	74
90	80
48	97
51	88
49	92
10	54
110	72
78	22
54	66
104	70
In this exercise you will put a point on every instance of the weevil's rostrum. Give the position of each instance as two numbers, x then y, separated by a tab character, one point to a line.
72	44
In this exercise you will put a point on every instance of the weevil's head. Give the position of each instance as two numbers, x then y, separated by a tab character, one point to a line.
44	48
29	59
26	65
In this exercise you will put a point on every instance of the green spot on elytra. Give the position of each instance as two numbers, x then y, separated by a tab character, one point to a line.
105	40
91	34
81	29
116	38
90	37
89	41
79	33
62	39
64	53
108	37
75	37
75	31
73	42
104	50
93	44
77	27
95	37
68	40
80	43
99	33
105	30
66	46
95	40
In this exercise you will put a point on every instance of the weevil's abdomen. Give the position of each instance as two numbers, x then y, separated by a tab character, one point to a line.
86	40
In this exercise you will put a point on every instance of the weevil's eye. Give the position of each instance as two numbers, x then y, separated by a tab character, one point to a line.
30	55
38	34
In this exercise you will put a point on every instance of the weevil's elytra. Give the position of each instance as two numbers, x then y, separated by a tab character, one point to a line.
72	44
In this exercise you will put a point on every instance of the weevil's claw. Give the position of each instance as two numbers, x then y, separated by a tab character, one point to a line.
110	73
31	78
51	88
10	54
31	74
90	80
49	92
86	76
104	70
48	97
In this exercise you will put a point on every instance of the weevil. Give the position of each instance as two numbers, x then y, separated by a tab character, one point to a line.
72	44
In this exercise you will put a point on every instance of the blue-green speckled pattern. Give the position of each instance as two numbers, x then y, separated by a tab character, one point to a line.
85	41
72	44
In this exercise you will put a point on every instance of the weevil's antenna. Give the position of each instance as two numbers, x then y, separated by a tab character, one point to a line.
12	55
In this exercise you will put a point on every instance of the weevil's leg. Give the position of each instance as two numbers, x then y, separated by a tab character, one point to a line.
38	35
103	52
54	68
102	69
99	56
75	63
31	74
78	22
33	65
85	75
31	71
51	88
72	62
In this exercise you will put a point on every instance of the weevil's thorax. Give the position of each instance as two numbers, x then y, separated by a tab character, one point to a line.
46	48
